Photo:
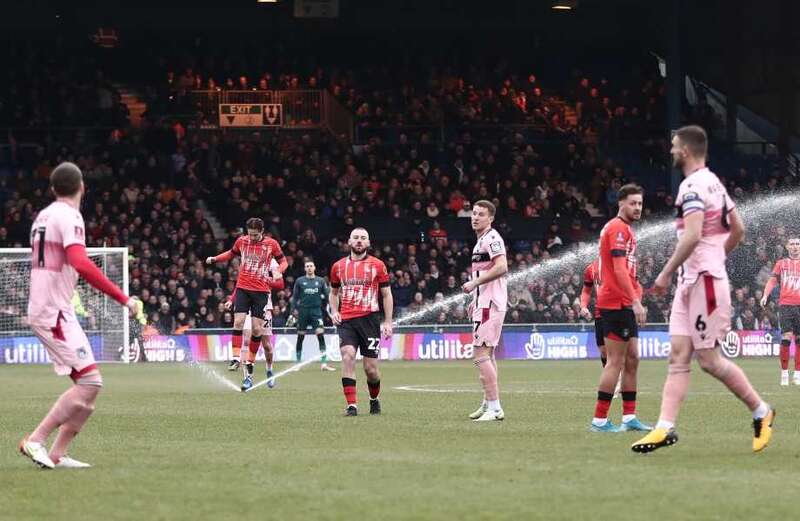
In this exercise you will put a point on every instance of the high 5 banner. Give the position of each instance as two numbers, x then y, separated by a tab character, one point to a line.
419	344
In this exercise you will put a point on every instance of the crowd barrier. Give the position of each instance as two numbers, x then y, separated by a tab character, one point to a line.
518	342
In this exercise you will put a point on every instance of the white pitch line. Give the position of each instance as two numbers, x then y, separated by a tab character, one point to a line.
575	392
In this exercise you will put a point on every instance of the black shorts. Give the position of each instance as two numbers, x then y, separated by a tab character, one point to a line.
619	324
364	333
598	332
789	319
253	301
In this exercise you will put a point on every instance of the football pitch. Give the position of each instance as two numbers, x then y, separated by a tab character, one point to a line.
169	444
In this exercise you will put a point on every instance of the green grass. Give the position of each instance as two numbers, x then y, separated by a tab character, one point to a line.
166	444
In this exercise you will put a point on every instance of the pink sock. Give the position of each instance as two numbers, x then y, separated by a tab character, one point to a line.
488	376
59	413
734	379
86	396
675	389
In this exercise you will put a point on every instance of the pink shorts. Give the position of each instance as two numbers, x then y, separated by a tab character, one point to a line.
488	324
68	347
702	311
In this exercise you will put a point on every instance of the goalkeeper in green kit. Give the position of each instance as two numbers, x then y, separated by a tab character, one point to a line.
308	296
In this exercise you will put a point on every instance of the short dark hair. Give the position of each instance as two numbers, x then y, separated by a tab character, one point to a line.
629	189
66	179
695	139
483	203
254	223
307	260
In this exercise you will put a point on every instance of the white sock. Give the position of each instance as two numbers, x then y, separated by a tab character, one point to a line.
628	417
785	373
761	411
484	404
269	367
599	421
664	424
493	405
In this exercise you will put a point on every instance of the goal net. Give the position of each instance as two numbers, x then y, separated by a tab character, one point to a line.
103	319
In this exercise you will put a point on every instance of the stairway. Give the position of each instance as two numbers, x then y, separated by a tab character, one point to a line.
216	226
132	100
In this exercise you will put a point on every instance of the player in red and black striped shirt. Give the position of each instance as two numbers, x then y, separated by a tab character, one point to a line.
787	273
356	282
253	284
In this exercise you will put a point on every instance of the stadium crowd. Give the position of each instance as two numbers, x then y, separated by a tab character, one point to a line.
308	183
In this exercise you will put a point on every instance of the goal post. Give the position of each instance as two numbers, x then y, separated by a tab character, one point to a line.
105	322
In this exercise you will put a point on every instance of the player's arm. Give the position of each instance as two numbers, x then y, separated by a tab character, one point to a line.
771	282
324	297
388	310
692	233
229	300
283	264
623	275
736	227
586	297
333	299
226	255
78	259
498	269
333	296
295	294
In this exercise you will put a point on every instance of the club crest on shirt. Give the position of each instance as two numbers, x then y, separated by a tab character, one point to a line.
495	247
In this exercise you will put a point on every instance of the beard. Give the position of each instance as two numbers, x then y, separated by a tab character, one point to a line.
677	162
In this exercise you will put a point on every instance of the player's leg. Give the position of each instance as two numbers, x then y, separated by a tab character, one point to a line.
348	340
373	375
793	330
323	350
250	353
75	405
629	386
784	323
302	325
87	387
298	347
600	340
489	325
247	334
617	331
710	307
675	388
730	374
368	329
266	342
236	337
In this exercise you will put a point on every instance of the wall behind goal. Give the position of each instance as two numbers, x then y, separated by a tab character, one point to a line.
428	343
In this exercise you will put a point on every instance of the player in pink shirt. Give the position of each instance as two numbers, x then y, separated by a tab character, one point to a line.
489	290
709	228
58	258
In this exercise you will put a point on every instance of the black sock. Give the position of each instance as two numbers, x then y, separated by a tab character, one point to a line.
321	340
603	360
249	368
298	348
